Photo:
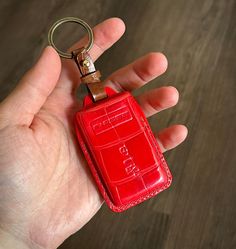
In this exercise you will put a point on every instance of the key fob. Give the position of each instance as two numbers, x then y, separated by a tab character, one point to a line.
121	150
114	135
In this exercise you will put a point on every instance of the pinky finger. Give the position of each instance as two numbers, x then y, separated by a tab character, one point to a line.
171	137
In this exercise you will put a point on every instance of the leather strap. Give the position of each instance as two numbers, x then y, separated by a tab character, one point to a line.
89	75
92	77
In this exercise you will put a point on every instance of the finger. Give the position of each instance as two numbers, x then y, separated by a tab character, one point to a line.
33	89
157	100
105	35
171	137
138	72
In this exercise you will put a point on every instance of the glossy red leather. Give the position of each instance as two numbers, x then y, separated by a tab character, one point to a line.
121	150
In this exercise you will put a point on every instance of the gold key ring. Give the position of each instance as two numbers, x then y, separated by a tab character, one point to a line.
65	20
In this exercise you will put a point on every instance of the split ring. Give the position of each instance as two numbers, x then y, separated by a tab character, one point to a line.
73	20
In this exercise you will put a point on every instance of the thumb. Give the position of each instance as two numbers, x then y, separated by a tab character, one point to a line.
33	89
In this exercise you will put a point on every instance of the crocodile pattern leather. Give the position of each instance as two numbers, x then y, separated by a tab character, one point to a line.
121	150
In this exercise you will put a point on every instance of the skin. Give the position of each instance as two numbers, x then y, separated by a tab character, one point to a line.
46	190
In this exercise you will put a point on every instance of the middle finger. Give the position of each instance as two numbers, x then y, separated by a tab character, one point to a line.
138	72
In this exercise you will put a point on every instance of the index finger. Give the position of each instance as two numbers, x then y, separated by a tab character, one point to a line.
105	35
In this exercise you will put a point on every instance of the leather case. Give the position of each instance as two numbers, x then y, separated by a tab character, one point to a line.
121	150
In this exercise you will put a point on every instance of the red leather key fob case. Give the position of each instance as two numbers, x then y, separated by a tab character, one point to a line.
115	137
121	150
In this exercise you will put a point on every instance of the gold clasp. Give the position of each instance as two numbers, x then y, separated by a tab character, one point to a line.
89	75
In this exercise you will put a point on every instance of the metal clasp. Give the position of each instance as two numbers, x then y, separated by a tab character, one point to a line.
89	75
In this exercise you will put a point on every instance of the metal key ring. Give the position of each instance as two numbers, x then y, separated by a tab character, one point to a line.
65	20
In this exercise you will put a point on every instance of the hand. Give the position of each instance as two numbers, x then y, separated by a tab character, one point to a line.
46	190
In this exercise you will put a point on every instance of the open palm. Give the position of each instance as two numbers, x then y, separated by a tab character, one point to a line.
46	190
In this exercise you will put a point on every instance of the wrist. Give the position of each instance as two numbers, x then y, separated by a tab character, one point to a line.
9	241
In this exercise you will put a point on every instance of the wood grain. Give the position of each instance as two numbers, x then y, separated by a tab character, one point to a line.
199	39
